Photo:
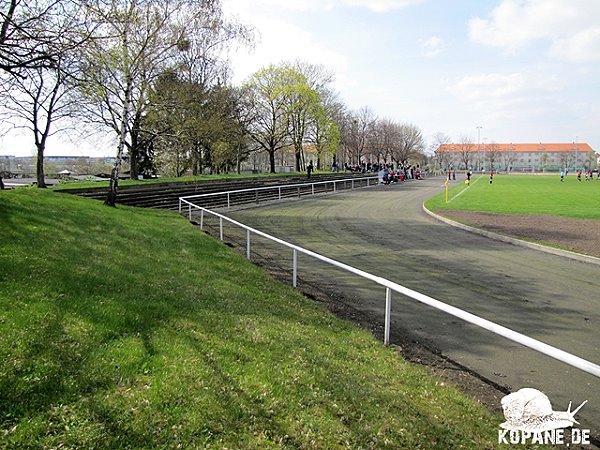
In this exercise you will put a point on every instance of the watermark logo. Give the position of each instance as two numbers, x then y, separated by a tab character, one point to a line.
530	419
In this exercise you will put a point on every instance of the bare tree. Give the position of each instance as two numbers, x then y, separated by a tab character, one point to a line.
358	134
37	96
25	41
442	156
410	143
465	148
201	56
492	152
37	101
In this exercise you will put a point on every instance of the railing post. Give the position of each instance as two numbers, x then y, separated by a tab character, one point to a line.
352	183
228	203
334	186
298	191
388	311
294	268
189	212
221	228
313	188
279	192
201	219
248	244
179	206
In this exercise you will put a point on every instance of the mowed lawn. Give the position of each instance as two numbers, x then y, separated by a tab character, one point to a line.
524	194
128	328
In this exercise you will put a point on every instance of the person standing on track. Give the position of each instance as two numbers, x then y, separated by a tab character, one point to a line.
309	169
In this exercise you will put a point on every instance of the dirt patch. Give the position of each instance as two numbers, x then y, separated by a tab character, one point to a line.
577	235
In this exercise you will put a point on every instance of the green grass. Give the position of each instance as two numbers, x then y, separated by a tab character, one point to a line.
128	328
524	194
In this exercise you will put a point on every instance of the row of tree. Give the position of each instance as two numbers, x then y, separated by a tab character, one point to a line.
154	72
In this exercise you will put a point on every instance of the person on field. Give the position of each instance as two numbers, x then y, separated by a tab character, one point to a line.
309	168
579	175
562	175
491	176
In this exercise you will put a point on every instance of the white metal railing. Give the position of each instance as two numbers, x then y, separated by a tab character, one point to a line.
390	286
368	181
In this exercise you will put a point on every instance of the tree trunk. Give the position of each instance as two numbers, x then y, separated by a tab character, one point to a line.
41	179
272	160
298	156
113	187
134	153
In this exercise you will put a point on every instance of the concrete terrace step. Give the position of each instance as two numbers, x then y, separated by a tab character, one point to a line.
166	195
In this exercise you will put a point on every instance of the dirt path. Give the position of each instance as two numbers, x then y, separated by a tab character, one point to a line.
577	235
383	230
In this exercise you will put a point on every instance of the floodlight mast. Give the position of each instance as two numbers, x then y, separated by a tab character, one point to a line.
479	127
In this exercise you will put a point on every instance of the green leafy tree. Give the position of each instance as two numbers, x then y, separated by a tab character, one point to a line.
274	92
192	124
304	109
323	133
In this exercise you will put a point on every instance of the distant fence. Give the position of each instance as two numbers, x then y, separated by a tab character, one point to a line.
390	286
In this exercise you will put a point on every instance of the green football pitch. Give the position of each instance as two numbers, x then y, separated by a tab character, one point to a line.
523	194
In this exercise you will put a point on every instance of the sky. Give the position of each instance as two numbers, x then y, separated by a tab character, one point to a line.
521	71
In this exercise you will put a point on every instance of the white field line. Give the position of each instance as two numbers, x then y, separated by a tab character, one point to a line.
468	186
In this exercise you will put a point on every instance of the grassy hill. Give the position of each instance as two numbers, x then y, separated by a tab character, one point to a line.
128	328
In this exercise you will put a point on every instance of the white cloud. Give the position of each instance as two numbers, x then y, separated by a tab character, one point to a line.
582	47
564	24
281	41
319	5
380	5
432	46
492	85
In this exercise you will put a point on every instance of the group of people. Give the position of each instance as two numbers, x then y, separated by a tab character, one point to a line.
468	174
388	174
589	174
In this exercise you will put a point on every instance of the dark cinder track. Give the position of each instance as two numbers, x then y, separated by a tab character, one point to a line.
384	231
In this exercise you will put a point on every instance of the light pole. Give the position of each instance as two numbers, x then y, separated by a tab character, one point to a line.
576	148
479	127
484	150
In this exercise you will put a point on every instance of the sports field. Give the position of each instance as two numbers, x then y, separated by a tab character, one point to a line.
524	194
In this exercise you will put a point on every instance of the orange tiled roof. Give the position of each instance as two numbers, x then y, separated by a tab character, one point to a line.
522	148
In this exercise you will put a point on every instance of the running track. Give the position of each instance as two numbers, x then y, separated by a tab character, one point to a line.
384	231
